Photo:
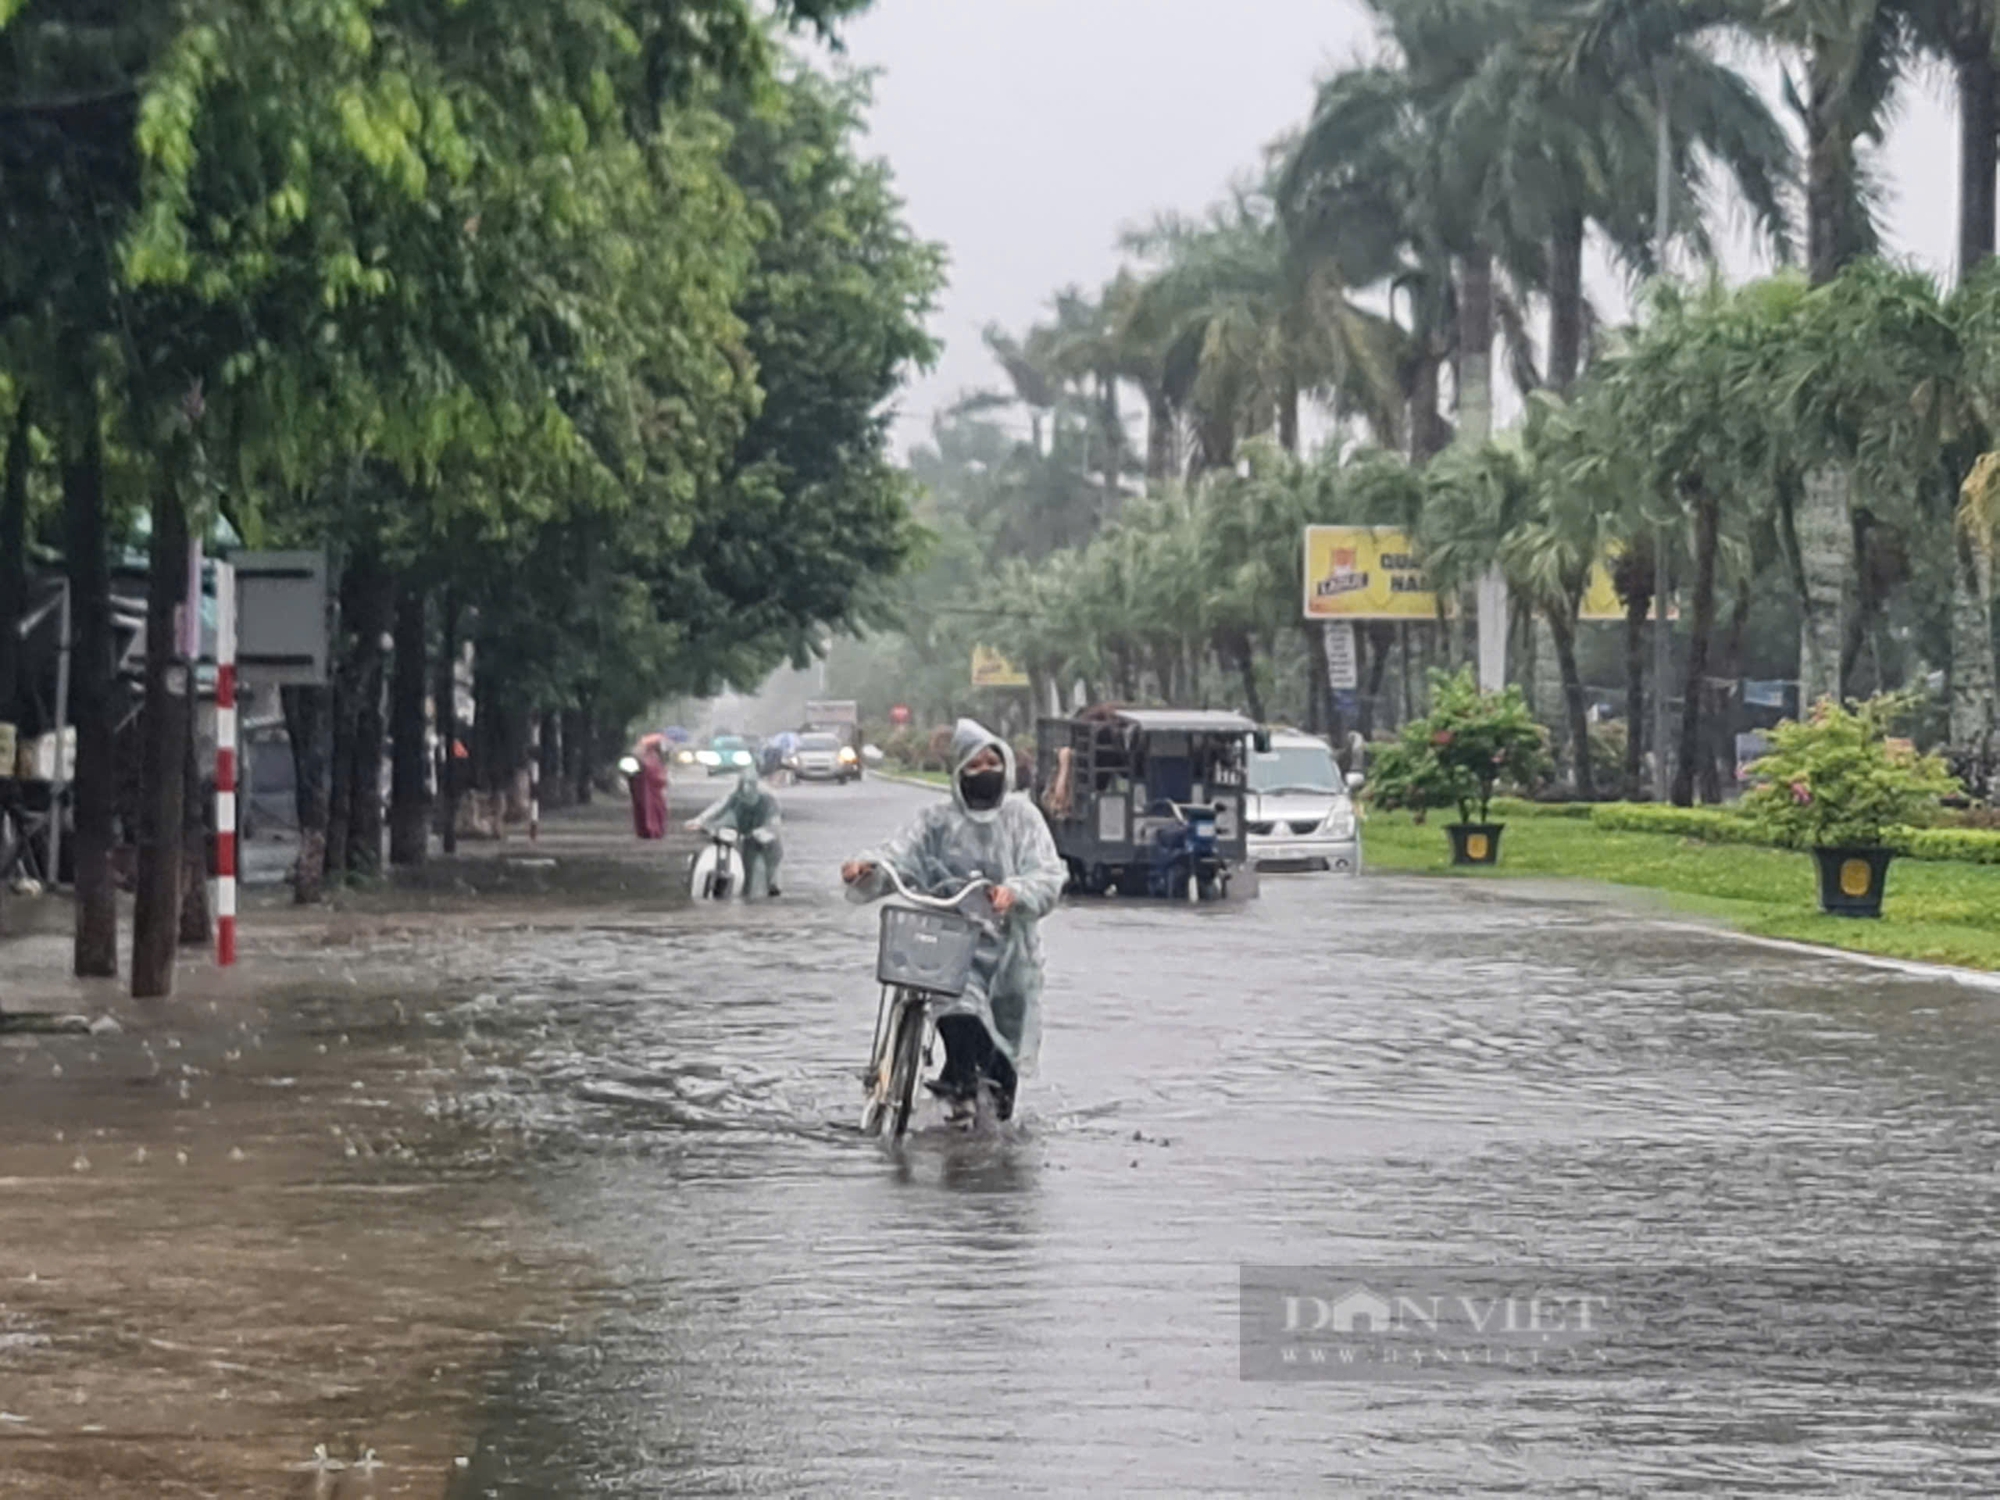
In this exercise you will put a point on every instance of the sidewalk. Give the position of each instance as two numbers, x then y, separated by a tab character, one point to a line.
248	1221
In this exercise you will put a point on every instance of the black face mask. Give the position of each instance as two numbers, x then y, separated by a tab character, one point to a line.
982	790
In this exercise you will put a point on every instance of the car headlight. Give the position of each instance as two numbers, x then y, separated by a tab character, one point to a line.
708	757
1339	823
741	757
684	757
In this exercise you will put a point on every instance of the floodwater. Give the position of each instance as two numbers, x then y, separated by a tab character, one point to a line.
565	1199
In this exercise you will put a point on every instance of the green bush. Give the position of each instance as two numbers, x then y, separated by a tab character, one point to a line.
1456	755
1835	781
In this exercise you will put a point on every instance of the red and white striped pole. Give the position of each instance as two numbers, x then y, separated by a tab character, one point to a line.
225	764
535	780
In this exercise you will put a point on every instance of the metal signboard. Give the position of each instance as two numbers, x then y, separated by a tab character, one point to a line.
1365	573
281	617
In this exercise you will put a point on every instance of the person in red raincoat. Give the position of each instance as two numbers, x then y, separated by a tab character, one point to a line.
649	792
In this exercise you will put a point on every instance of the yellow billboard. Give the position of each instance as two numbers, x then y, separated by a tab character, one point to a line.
1365	573
1600	594
992	670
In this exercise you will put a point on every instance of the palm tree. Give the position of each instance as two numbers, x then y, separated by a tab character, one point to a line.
1613	85
1243	326
1962	33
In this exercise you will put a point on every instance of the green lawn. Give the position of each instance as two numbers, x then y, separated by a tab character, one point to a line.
1936	911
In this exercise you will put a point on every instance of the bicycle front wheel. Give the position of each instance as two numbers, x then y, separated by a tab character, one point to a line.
907	1049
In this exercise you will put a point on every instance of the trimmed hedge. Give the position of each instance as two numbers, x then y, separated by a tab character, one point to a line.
1715	825
1972	846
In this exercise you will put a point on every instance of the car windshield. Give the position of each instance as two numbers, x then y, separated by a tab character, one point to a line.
1294	767
726	743
819	742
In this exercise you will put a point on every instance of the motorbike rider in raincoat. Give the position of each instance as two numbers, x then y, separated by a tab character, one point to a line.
992	1032
753	813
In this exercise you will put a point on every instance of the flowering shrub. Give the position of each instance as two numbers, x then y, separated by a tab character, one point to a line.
1837	781
1459	752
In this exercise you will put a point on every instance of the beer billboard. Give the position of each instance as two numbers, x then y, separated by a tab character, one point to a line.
1365	573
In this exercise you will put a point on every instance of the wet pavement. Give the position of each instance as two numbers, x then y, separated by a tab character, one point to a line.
555	1191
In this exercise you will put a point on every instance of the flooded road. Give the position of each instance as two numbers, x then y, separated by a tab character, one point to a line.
624	1239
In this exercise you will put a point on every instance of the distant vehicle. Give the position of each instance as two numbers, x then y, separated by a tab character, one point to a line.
822	757
726	754
1300	811
840	717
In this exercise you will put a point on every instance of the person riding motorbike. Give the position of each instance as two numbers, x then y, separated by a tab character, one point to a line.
753	813
991	1033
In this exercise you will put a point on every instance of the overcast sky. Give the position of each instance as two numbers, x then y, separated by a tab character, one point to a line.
1026	134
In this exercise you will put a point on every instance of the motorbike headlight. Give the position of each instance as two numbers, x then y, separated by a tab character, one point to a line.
684	757
629	766
847	755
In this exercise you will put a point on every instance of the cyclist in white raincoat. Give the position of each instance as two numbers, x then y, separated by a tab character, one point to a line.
993	1031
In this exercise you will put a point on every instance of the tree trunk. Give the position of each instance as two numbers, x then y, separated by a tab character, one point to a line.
1475	347
1562	632
1159	437
1972	667
93	710
1978	150
308	711
444	705
549	746
586	747
156	907
1114	440
409	796
1825	543
1637	606
13	566
375	612
1246	666
1724	737
1833	217
1707	528
1319	685
1381	641
1566	300
196	811
1429	433
1288	413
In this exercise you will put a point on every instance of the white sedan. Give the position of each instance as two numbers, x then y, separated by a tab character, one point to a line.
1300	811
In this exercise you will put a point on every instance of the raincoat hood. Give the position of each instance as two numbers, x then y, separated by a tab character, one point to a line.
968	738
747	782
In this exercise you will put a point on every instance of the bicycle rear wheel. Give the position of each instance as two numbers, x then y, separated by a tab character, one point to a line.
907	1047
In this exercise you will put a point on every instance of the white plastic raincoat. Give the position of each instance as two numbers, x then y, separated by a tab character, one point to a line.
1009	845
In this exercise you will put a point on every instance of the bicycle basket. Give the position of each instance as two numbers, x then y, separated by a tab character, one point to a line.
926	950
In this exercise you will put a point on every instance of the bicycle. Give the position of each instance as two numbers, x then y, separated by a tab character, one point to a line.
924	954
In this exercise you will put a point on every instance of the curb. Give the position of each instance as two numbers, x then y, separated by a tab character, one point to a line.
901	780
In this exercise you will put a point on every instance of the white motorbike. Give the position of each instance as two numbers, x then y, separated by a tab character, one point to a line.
716	871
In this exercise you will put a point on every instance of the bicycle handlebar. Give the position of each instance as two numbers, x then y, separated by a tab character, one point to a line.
936	903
